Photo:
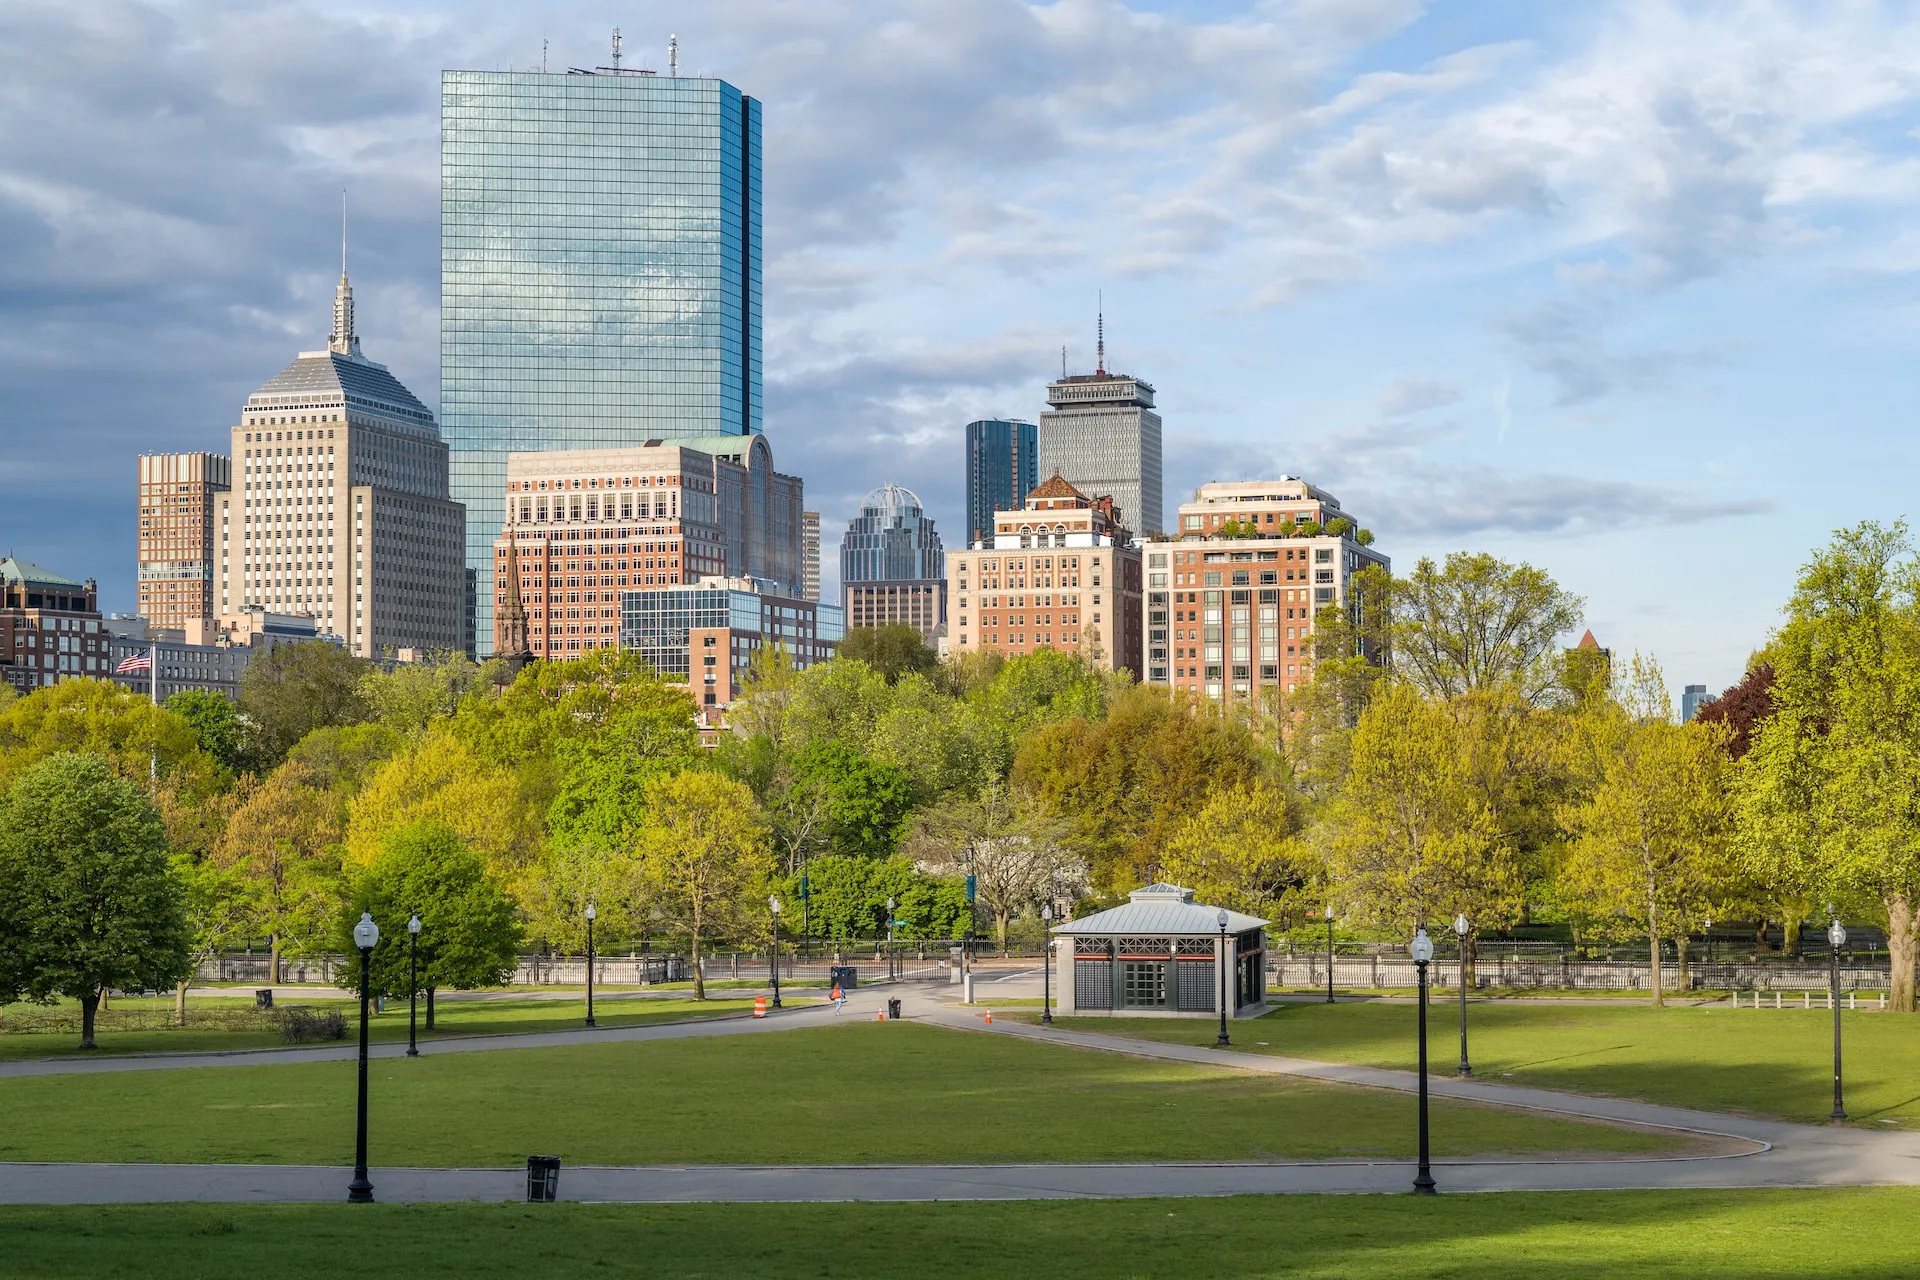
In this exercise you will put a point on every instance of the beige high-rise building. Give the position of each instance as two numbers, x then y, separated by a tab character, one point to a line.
1230	608
810	555
339	507
178	534
1059	573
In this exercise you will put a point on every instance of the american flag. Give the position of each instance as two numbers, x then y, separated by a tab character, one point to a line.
138	662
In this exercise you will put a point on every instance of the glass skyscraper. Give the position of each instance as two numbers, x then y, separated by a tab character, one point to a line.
599	272
1003	467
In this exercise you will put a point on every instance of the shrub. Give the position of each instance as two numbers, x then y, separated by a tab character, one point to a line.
300	1024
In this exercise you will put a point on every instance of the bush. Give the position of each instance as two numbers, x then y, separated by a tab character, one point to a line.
300	1024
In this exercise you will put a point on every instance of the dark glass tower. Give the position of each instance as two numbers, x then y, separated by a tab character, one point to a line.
1003	467
599	272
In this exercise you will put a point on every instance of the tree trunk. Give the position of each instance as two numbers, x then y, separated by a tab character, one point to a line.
1790	937
699	978
1900	952
179	1004
1000	930
1470	957
88	1008
1681	980
1656	999
430	991
273	961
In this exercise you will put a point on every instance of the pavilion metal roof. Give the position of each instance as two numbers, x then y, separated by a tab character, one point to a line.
1160	909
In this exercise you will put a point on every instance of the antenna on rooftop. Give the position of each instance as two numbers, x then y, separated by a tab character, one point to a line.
1101	367
616	48
1063	359
673	54
343	233
543	55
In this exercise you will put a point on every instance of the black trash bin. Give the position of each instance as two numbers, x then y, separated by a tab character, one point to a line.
844	976
543	1179
893	1007
263	999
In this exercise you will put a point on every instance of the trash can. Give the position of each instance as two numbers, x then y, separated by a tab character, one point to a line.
263	998
893	1008
543	1179
844	976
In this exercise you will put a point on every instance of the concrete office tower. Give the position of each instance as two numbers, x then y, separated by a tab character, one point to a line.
599	271
1230	607
1058	573
810	555
1003	466
1103	437
892	566
583	524
340	508
178	510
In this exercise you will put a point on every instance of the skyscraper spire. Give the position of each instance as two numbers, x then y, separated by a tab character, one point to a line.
1101	346
343	339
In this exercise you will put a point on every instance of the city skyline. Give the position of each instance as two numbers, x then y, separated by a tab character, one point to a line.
1401	253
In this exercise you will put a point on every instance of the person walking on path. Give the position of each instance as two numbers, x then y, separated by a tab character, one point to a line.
838	997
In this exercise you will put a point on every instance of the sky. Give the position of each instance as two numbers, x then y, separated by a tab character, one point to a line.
1624	290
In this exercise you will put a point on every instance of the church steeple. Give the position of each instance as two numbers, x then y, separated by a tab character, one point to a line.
510	625
343	340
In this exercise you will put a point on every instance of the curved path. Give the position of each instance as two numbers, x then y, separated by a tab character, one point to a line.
1763	1153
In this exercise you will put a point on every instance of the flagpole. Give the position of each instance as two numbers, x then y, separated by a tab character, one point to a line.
153	687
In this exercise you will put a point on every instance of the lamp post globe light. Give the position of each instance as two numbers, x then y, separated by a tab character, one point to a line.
1460	929
1221	1041
1329	914
1836	938
413	984
773	952
592	915
365	935
891	974
1046	963
1422	950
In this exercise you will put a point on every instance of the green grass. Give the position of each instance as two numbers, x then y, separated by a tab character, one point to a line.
1759	1062
861	1092
1677	1235
452	1018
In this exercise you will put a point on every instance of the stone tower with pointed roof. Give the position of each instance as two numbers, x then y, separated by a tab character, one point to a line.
339	509
510	623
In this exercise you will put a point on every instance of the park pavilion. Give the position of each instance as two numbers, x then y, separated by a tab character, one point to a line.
1161	954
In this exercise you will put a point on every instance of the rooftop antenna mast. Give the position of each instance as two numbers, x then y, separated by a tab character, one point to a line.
616	48
543	55
343	233
673	54
1063	359
1101	367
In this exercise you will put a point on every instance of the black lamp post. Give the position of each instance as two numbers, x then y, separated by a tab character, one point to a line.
1460	929
773	952
1046	963
1221	1041
365	935
1422	950
592	915
892	972
1329	953
413	986
1836	938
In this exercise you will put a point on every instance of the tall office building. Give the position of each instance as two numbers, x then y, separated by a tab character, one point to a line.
599	272
892	566
339	509
50	628
178	493
1103	437
810	555
1003	467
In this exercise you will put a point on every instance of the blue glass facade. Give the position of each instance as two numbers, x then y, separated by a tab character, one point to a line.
891	540
1003	467
599	271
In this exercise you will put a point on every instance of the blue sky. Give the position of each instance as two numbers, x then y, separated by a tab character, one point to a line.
1626	290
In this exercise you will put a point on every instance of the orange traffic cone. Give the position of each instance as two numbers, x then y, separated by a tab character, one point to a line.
880	1017
759	1006
989	1017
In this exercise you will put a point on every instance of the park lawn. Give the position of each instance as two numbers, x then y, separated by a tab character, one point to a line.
1848	1234
1776	1063
860	1092
452	1018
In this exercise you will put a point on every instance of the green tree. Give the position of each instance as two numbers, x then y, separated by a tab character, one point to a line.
289	690
1244	849
214	721
283	843
468	933
1650	845
1014	850
1412	838
218	903
1478	622
439	778
704	858
104	719
867	802
893	650
412	695
83	865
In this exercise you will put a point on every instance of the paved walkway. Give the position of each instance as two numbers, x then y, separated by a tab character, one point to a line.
1762	1153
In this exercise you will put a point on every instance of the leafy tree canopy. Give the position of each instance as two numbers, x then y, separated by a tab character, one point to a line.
867	802
893	650
215	723
1477	622
289	690
469	935
104	719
